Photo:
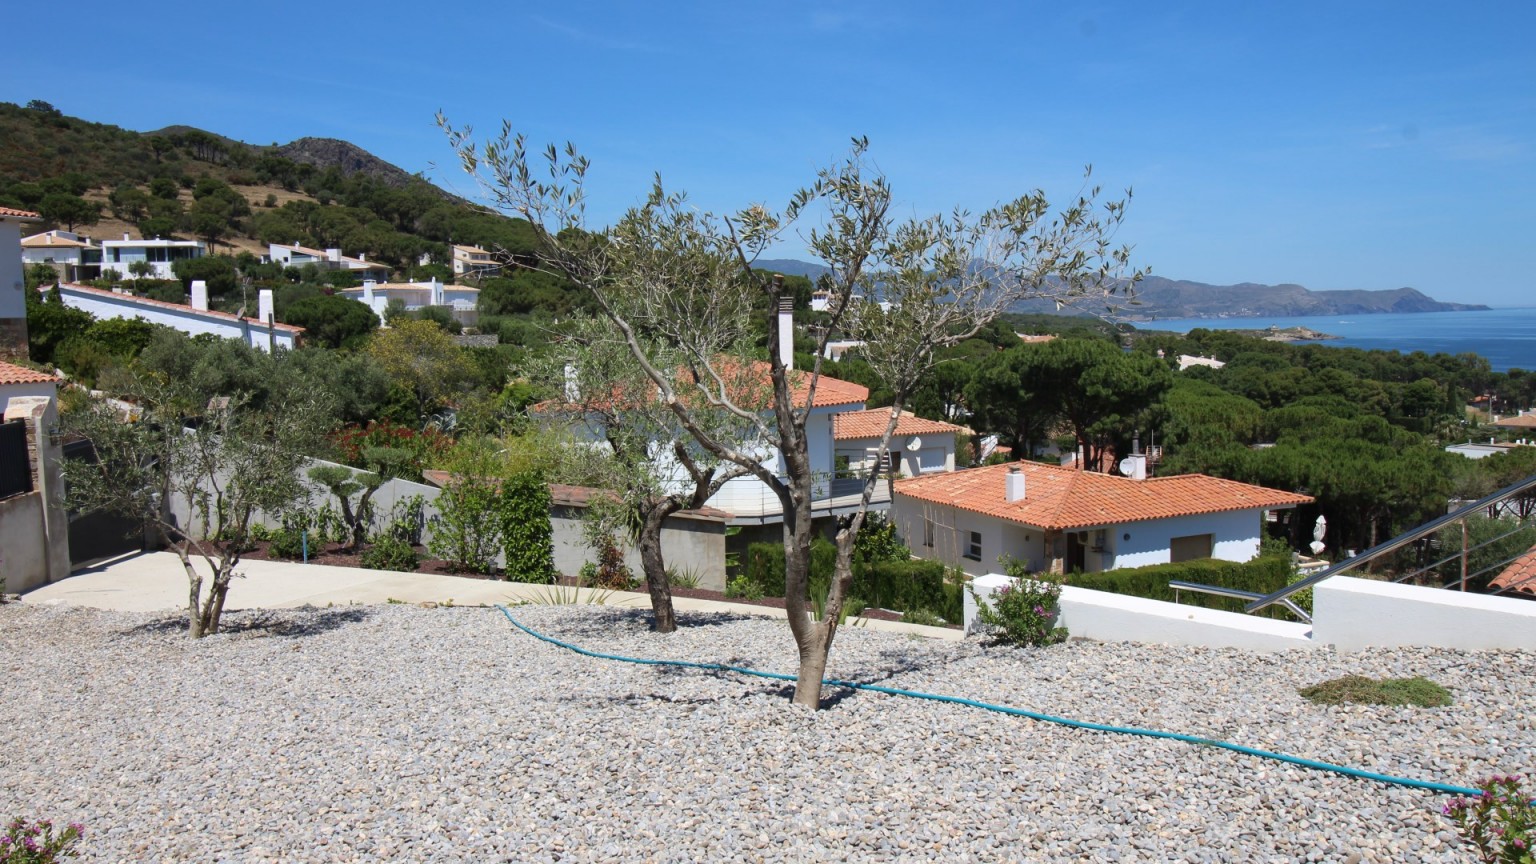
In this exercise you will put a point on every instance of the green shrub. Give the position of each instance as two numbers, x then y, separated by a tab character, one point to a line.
286	543
389	553
923	617
1261	575
908	585
765	567
1023	612
36	843
1360	690
744	588
1500	823
527	536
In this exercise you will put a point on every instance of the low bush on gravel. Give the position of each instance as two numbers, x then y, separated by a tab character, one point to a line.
35	842
1023	612
1500	823
1360	690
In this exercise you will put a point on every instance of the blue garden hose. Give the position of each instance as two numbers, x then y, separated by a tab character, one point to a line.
1019	712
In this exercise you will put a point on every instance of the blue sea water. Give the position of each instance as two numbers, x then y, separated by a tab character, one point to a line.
1506	337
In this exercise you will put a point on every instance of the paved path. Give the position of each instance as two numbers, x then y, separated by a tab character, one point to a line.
154	581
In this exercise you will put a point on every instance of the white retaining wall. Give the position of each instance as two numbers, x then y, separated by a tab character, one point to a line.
1351	614
1348	614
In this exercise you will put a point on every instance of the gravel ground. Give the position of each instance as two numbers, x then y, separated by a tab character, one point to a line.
405	734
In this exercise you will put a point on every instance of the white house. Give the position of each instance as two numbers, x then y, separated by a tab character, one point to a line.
13	285
260	332
917	447
74	257
117	256
1061	519
471	261
415	295
294	255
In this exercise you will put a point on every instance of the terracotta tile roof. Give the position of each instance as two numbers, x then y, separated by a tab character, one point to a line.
1065	499
830	392
10	373
1521	421
871	424
19	214
180	307
1519	576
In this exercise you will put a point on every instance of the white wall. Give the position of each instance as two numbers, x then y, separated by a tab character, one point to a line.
105	304
1236	538
1119	618
1352	613
863	451
13	303
951	536
17	391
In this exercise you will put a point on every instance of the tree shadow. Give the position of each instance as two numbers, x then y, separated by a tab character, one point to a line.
602	626
263	623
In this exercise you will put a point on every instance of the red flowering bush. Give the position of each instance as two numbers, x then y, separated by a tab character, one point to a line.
426	447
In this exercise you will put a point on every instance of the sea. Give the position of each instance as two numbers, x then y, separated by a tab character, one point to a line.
1506	337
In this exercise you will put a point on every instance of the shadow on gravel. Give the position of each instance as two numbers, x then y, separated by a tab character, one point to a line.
264	623
601	627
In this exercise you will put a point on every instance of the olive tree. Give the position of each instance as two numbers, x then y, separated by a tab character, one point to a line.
219	465
658	466
906	286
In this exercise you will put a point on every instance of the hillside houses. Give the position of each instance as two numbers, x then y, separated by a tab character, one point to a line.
293	255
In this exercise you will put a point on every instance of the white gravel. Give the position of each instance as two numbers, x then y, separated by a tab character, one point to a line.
396	733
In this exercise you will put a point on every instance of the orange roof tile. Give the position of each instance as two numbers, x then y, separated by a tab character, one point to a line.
19	214
10	373
1061	499
871	424
1521	421
830	392
1520	575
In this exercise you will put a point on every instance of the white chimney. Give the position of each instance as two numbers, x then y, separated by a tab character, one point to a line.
787	331
125	236
264	305
1134	466
1015	484
200	295
333	255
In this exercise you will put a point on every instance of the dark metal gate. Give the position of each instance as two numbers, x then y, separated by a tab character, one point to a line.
15	466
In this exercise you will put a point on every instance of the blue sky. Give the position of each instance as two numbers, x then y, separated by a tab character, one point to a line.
1336	145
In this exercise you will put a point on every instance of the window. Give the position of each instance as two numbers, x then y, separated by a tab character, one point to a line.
927	532
930	459
1189	548
973	548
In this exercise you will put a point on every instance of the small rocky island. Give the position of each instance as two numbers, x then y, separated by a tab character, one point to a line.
1275	333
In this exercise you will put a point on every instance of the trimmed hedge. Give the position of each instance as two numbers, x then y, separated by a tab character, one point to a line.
1261	575
903	586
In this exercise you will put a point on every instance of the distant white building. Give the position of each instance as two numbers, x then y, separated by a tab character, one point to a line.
13	298
917	447
461	300
193	319
74	257
117	256
293	255
469	261
1188	360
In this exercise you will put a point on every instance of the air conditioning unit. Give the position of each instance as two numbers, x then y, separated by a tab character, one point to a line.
1100	538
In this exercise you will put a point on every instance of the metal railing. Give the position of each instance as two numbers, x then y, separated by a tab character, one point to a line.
1179	585
1283	595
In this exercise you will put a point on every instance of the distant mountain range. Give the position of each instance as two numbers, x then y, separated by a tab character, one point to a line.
1157	297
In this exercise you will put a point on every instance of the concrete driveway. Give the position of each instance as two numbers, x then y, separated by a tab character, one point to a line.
155	581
